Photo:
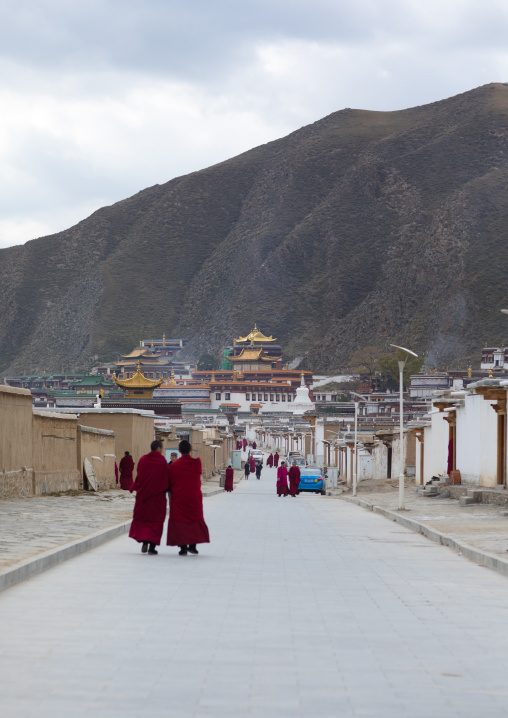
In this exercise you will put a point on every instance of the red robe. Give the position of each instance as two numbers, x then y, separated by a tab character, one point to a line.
269	461
126	469
252	465
254	445
244	444
294	480
276	459
282	480
151	485
228	484
186	521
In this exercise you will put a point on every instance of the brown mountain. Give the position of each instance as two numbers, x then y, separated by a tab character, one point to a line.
362	228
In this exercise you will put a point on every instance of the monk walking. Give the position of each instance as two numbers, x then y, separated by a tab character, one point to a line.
252	465
150	486
276	459
294	479
230	475
282	480
254	445
126	469
269	461
186	526
245	442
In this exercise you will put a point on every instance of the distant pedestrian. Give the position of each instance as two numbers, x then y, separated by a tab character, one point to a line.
254	445
173	457
276	459
269	461
245	443
126	471
186	525
246	469
252	465
259	468
230	475
151	485
294	479
282	480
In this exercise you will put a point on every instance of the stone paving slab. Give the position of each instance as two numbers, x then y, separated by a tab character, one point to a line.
302	607
483	527
32	526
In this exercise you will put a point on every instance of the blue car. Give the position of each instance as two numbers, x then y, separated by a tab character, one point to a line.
312	480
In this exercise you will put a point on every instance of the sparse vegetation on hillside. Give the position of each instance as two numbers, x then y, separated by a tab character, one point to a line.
359	230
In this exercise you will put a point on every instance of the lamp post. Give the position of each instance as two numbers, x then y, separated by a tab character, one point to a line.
402	364
355	459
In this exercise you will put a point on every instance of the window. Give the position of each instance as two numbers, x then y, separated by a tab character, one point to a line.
289	397
227	396
266	397
283	397
260	397
271	397
218	395
247	397
277	397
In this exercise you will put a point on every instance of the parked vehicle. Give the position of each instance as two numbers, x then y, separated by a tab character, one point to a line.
298	460
294	455
257	455
312	480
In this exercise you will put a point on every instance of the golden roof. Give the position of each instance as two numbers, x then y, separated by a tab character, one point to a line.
252	355
140	352
138	381
256	336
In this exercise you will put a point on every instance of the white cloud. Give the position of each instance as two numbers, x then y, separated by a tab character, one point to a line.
98	101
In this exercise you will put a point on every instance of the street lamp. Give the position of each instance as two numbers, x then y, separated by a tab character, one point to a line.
355	464
402	364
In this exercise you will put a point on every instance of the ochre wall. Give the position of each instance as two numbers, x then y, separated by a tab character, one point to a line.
54	446
16	469
98	446
133	432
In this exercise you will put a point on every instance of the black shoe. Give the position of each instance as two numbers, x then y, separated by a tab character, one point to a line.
193	549
153	552
183	551
144	547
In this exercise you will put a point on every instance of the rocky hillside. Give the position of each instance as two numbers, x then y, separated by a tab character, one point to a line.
363	228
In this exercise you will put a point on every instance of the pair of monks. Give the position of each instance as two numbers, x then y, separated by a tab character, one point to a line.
282	480
273	460
182	478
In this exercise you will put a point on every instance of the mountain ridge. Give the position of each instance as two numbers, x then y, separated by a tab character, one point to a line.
361	228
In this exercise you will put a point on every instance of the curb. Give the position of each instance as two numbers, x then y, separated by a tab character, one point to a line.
480	557
44	561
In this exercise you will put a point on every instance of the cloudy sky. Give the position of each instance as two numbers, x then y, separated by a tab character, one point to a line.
103	98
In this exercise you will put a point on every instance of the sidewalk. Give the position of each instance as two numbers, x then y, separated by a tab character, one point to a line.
482	527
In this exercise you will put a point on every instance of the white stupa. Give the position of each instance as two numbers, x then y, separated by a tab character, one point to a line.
302	402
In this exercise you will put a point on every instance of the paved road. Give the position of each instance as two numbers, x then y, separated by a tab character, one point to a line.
302	606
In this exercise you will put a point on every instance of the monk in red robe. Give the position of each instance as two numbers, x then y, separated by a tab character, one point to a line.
282	480
151	486
294	479
269	461
126	469
254	445
244	444
230	475
276	459
186	526
252	465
